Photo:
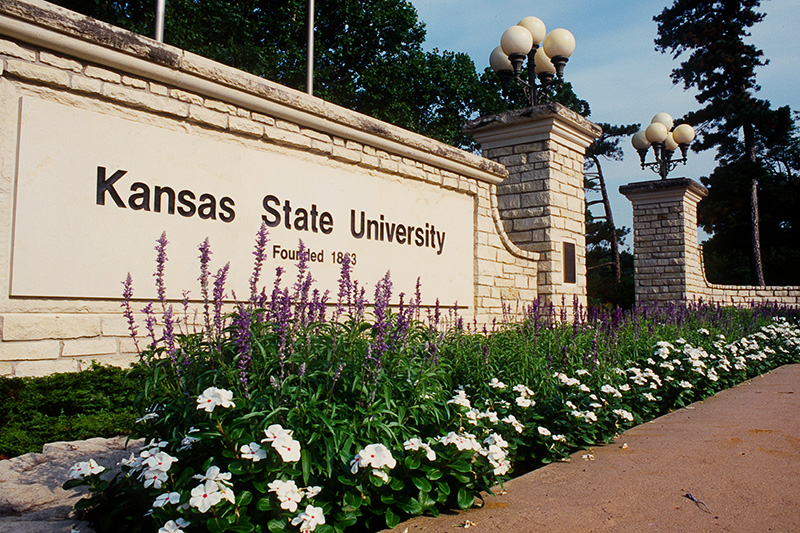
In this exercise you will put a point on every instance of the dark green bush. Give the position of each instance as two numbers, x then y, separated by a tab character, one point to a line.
97	402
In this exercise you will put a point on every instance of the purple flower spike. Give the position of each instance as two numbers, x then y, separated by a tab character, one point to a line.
205	258
161	260
219	297
127	294
150	323
261	244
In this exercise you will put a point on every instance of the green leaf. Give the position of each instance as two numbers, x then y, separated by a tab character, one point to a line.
465	498
421	483
264	504
277	524
392	519
305	463
411	507
352	499
217	525
411	462
244	498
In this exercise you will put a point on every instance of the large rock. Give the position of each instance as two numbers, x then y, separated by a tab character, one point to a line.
31	497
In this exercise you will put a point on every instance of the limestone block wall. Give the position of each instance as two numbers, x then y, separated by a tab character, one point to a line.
667	258
55	55
542	202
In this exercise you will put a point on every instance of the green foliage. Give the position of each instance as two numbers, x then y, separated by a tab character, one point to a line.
62	407
756	144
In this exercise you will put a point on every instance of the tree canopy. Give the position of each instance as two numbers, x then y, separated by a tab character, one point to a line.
756	144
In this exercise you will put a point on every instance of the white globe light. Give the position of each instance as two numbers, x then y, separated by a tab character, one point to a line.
516	40
498	60
656	132
559	43
665	119
683	134
542	63
535	26
670	143
639	141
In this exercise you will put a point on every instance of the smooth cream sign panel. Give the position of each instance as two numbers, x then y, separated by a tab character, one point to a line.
94	192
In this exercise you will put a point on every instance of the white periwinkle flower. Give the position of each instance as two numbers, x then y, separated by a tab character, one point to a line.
375	455
417	444
85	468
213	397
253	451
205	496
460	398
497	384
544	431
288	494
309	519
174	526
167	497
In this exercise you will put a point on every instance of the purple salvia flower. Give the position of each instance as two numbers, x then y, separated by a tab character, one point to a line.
383	294
261	244
185	304
127	294
205	258
219	297
360	302
302	370
161	260
302	266
274	301
416	302
344	296
169	338
150	323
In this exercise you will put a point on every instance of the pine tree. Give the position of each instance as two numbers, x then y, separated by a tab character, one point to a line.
722	67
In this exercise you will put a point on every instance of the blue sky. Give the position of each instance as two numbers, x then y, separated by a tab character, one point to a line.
615	66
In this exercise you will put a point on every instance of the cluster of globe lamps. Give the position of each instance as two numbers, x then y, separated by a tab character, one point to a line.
547	53
664	139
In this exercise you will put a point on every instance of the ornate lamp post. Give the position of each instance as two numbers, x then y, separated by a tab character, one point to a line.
547	54
664	143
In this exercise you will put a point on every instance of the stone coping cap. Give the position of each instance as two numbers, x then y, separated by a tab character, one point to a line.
185	64
664	185
533	113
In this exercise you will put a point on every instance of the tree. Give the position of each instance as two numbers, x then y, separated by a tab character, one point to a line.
368	53
607	147
721	66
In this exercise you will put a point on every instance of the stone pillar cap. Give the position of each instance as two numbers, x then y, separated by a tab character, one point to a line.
654	186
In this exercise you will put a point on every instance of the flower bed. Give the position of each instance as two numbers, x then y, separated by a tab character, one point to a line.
278	418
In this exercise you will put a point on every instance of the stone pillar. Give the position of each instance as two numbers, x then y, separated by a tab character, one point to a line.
666	254
542	202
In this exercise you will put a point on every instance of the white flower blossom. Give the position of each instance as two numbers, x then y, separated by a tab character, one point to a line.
85	468
288	494
417	444
375	455
160	461
544	431
511	419
213	397
168	497
205	496
253	452
174	526
309	519
497	384
461	399
622	413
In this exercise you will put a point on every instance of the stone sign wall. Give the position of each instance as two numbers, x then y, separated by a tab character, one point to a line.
668	261
108	139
